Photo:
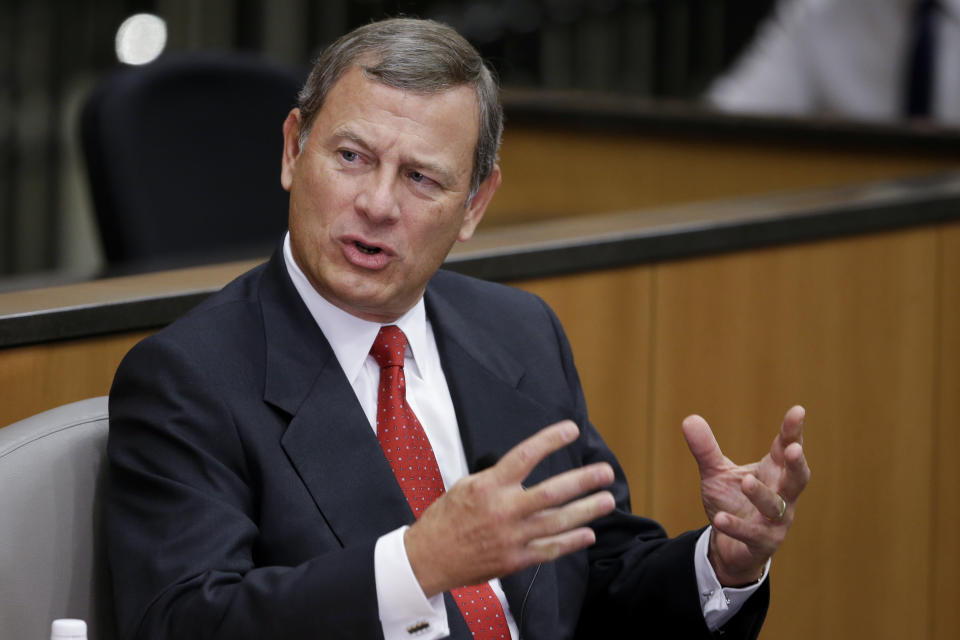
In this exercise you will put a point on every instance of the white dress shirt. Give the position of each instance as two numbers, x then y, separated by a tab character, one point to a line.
401	602
842	58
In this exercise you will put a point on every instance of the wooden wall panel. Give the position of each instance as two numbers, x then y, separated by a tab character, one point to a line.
946	495
846	328
41	377
549	173
606	315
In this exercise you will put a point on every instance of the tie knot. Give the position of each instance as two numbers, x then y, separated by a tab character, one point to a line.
389	347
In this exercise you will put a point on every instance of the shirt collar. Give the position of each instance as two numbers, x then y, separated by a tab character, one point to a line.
351	337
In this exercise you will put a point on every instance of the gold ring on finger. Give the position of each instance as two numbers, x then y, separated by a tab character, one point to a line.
783	509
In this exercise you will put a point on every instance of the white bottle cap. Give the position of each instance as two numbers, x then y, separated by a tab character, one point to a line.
68	628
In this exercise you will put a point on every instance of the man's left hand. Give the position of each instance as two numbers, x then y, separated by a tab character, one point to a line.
750	506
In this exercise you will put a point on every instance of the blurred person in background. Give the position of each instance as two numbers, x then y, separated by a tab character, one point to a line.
876	60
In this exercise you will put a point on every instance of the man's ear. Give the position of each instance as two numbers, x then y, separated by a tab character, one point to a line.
478	204
291	148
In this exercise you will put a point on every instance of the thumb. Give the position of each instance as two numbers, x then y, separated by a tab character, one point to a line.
702	443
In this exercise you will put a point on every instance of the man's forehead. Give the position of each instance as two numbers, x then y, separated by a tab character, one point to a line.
360	72
358	102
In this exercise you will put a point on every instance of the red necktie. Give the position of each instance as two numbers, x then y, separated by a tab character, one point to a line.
411	457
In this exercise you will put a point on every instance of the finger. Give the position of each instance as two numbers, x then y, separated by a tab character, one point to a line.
761	537
552	547
768	502
702	443
791	430
517	463
797	473
550	522
566	486
792	427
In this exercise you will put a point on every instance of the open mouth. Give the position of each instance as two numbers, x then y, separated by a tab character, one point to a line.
367	249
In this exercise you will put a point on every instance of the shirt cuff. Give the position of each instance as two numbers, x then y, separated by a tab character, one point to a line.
405	612
719	603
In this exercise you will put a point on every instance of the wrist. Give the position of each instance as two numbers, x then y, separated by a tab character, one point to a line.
733	577
420	563
739	581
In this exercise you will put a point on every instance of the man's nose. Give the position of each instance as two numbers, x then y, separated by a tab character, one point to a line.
377	199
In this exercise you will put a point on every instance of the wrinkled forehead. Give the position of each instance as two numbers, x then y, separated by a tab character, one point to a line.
452	112
370	65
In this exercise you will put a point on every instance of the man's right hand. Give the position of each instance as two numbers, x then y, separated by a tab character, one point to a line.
489	525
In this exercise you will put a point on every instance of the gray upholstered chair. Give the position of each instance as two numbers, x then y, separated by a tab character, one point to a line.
52	562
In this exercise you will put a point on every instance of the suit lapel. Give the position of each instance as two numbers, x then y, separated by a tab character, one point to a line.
485	382
328	439
494	415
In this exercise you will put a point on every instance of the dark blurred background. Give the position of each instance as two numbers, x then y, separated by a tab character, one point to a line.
52	52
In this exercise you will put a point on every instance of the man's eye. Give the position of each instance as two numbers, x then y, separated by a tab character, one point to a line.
349	156
419	178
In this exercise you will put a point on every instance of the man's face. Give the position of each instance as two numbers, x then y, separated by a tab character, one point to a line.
378	192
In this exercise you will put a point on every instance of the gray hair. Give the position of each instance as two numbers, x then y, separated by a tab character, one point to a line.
422	56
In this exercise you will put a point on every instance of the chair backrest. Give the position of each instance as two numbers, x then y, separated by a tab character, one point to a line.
183	156
52	558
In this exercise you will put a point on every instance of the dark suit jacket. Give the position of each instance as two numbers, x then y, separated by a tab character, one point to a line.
247	489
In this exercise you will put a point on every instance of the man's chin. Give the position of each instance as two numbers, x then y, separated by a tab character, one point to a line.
375	305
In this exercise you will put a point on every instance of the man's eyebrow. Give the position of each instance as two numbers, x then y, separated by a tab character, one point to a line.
351	135
442	175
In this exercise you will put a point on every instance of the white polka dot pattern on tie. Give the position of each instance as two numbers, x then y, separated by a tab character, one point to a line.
401	436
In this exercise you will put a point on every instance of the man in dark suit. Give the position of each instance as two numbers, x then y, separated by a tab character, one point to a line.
341	439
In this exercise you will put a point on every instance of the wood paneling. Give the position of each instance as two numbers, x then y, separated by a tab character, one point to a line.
946	494
41	377
548	173
606	316
845	328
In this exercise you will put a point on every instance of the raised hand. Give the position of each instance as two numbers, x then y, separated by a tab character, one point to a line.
488	525
751	507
